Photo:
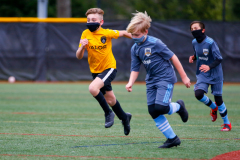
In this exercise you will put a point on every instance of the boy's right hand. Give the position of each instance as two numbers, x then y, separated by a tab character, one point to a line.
83	42
129	87
186	82
191	59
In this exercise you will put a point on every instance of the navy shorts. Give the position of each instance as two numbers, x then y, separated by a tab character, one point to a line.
216	88
107	77
160	93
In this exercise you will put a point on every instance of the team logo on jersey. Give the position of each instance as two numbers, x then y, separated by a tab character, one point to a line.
205	52
148	51
103	39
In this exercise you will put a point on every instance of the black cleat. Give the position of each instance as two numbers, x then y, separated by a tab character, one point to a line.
182	111
171	143
109	120
126	124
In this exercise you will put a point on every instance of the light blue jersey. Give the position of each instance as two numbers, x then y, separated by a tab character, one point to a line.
207	51
154	55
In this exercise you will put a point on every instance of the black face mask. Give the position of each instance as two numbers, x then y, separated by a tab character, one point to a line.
93	26
198	35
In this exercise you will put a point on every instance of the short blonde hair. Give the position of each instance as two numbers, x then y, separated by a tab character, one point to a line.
140	22
95	11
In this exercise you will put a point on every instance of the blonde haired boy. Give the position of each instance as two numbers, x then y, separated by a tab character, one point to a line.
160	78
97	42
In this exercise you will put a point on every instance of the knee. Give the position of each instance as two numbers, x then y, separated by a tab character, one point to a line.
93	90
152	112
199	94
156	110
162	109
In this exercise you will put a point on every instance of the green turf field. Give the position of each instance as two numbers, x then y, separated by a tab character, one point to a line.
63	121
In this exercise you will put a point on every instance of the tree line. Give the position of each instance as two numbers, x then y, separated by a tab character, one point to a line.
217	10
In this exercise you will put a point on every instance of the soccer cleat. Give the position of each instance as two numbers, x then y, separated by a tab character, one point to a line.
109	120
213	113
126	124
182	111
171	143
226	127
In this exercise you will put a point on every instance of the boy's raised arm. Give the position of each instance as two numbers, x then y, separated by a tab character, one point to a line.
80	51
124	33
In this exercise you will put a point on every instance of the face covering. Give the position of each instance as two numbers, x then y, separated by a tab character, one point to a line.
139	40
198	35
93	26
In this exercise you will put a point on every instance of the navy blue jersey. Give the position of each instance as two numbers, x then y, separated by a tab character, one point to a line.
207	51
154	55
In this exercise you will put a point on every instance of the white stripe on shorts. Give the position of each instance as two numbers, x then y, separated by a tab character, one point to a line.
108	74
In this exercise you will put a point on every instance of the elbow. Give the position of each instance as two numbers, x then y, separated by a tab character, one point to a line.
79	57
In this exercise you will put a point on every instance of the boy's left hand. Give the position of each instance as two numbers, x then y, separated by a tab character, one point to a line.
204	68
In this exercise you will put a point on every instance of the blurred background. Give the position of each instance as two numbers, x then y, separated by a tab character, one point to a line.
45	51
216	10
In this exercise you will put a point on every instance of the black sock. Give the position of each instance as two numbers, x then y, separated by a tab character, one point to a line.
209	103
103	103
119	111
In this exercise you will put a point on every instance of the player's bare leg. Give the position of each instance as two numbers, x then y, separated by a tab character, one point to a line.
94	89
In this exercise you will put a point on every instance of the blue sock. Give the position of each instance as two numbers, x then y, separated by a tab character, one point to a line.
222	109
225	120
163	125
174	107
206	100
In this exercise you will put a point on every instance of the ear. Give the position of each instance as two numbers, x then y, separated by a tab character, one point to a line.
146	31
203	31
101	22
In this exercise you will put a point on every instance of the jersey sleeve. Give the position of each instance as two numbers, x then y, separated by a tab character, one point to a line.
112	33
83	36
163	50
215	51
135	61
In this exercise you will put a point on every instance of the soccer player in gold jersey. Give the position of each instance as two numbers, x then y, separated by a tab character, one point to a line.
102	65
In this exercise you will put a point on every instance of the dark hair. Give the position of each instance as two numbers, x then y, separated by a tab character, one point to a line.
201	24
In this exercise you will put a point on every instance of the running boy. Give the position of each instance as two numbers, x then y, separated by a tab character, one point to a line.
209	72
160	78
102	64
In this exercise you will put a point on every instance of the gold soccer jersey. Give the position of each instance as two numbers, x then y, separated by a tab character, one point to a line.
100	56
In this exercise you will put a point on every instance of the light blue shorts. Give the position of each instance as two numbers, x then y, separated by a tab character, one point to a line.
216	88
159	93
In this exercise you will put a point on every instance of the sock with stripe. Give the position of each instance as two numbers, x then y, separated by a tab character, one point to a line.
163	125
223	112
119	111
103	103
174	107
208	102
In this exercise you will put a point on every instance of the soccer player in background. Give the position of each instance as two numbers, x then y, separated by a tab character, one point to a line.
102	65
160	78
209	72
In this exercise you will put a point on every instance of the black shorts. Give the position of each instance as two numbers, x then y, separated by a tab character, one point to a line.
107	77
